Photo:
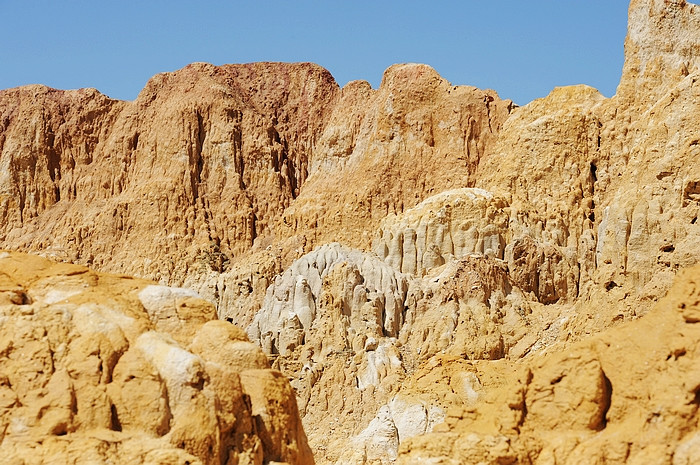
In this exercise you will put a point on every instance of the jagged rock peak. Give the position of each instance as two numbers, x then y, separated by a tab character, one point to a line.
662	47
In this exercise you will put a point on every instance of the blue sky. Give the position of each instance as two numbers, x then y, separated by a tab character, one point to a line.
520	48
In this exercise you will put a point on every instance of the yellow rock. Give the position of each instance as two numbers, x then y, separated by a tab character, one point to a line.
99	368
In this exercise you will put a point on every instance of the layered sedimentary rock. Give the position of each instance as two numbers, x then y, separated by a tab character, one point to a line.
426	263
103	368
609	183
349	327
415	136
200	172
597	213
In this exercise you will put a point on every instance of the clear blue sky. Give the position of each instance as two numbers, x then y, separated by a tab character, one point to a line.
520	48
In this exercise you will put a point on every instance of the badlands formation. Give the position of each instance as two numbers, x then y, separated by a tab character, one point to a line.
419	273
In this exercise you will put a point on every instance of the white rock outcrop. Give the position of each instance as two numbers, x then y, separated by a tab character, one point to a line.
373	294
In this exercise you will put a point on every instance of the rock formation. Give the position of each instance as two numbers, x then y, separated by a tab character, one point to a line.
188	174
443	277
415	136
103	368
199	173
446	226
627	395
370	301
609	182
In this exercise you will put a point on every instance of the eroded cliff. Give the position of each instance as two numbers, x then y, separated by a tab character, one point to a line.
441	275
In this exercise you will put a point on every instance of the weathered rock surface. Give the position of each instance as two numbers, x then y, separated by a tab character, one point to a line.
627	395
592	213
415	136
331	323
446	226
97	368
608	184
439	253
348	329
189	174
371	300
200	172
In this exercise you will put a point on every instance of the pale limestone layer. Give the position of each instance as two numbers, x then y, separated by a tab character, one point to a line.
97	368
372	300
331	323
457	223
348	328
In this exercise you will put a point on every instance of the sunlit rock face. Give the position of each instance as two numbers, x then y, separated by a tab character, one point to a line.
442	276
104	368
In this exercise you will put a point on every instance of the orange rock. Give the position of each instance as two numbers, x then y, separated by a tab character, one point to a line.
96	367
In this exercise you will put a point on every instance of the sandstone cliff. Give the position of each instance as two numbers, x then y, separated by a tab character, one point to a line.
427	263
610	183
192	171
593	211
202	169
